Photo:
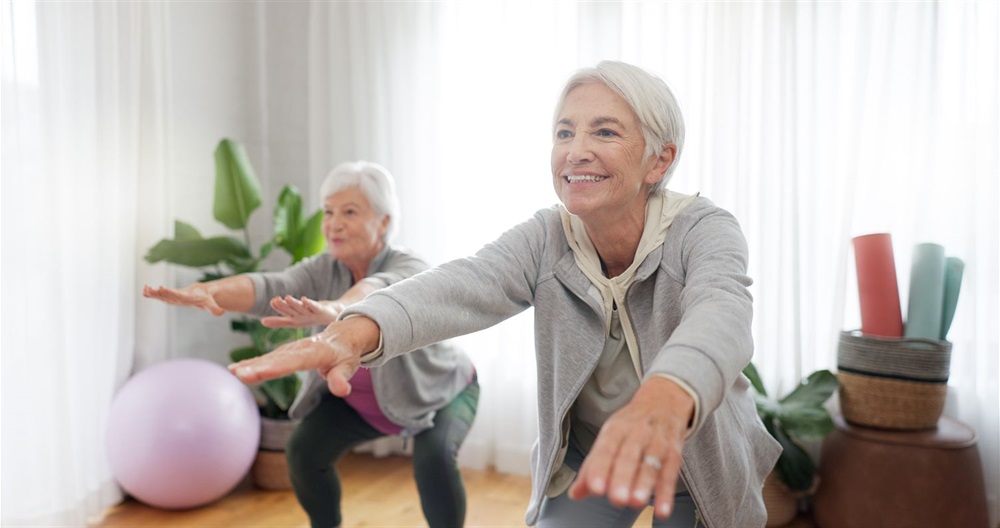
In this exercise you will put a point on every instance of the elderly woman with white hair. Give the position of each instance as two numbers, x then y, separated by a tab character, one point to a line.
642	323
430	394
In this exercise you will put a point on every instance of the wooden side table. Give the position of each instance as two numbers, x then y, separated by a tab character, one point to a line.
873	477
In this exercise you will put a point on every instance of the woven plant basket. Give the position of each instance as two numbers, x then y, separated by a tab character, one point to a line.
897	384
270	471
781	503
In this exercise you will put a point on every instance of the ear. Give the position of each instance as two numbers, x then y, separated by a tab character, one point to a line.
663	161
383	226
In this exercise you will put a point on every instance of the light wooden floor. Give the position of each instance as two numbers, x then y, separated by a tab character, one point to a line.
377	492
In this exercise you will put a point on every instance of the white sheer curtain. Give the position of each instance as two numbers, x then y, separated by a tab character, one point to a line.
812	122
82	119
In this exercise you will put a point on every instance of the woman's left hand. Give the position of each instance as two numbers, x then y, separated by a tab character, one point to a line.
304	312
638	451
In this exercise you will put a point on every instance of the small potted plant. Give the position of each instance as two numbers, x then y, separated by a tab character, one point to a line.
237	196
798	417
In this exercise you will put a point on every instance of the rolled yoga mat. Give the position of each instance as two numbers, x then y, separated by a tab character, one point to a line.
925	307
953	268
877	288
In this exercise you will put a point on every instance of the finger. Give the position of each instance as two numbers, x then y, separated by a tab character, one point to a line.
592	478
666	486
296	306
284	360
338	379
648	473
311	306
278	322
625	467
282	305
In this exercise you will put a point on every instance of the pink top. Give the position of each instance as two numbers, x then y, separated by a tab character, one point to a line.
362	399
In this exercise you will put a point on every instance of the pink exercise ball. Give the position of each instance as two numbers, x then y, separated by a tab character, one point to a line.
182	433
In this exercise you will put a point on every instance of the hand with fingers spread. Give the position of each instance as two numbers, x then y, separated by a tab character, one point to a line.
302	312
196	295
638	451
334	353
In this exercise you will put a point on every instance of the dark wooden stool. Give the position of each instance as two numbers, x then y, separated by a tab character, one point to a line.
873	477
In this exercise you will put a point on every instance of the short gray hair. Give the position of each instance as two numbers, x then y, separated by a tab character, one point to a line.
649	97
375	183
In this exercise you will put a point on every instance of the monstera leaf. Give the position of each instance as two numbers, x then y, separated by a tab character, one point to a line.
799	416
237	192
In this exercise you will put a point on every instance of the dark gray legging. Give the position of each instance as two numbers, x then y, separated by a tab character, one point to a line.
334	427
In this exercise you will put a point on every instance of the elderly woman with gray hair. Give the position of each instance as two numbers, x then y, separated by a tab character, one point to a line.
642	323
430	394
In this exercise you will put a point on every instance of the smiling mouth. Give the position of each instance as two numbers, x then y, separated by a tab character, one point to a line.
584	178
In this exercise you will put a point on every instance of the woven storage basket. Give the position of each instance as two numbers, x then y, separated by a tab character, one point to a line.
270	471
892	383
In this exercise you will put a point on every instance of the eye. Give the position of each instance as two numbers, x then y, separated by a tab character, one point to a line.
327	213
563	134
350	212
606	133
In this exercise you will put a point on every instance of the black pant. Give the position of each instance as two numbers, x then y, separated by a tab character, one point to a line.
334	427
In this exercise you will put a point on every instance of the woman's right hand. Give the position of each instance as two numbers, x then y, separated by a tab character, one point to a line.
304	312
196	295
335	353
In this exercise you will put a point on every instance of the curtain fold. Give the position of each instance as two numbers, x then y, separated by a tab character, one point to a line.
81	123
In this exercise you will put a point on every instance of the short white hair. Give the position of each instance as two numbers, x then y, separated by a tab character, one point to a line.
375	183
651	100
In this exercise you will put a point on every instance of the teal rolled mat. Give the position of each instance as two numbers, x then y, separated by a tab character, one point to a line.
953	268
924	312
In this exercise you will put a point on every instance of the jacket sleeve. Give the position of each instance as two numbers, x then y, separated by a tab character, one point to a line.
713	342
458	297
301	279
398	265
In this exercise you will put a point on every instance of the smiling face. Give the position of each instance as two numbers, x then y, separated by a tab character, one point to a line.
354	231
598	168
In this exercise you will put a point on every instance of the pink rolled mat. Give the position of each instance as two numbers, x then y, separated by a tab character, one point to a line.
877	288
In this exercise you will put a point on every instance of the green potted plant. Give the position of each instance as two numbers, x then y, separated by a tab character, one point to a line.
798	417
237	196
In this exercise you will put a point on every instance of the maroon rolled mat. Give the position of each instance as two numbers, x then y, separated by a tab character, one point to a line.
877	288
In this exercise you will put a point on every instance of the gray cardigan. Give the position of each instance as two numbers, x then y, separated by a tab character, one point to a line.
692	312
409	389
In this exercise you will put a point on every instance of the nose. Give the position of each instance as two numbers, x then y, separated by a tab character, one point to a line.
332	224
579	151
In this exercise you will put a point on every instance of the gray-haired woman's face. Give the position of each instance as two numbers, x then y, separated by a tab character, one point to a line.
598	163
354	230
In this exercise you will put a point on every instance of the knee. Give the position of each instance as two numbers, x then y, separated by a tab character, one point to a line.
303	453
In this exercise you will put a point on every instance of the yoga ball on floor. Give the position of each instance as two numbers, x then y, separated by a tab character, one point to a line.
182	433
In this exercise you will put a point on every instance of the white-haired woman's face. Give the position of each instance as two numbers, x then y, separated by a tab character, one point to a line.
597	154
354	230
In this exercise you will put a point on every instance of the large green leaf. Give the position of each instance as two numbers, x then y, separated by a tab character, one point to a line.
198	252
806	423
812	391
794	466
237	191
288	219
185	231
750	371
311	239
282	391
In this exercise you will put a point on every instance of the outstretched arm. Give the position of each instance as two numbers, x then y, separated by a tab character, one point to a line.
231	294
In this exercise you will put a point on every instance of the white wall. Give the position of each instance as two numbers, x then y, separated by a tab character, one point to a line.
238	71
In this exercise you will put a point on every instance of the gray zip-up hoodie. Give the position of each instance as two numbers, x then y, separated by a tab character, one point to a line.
409	389
691	313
